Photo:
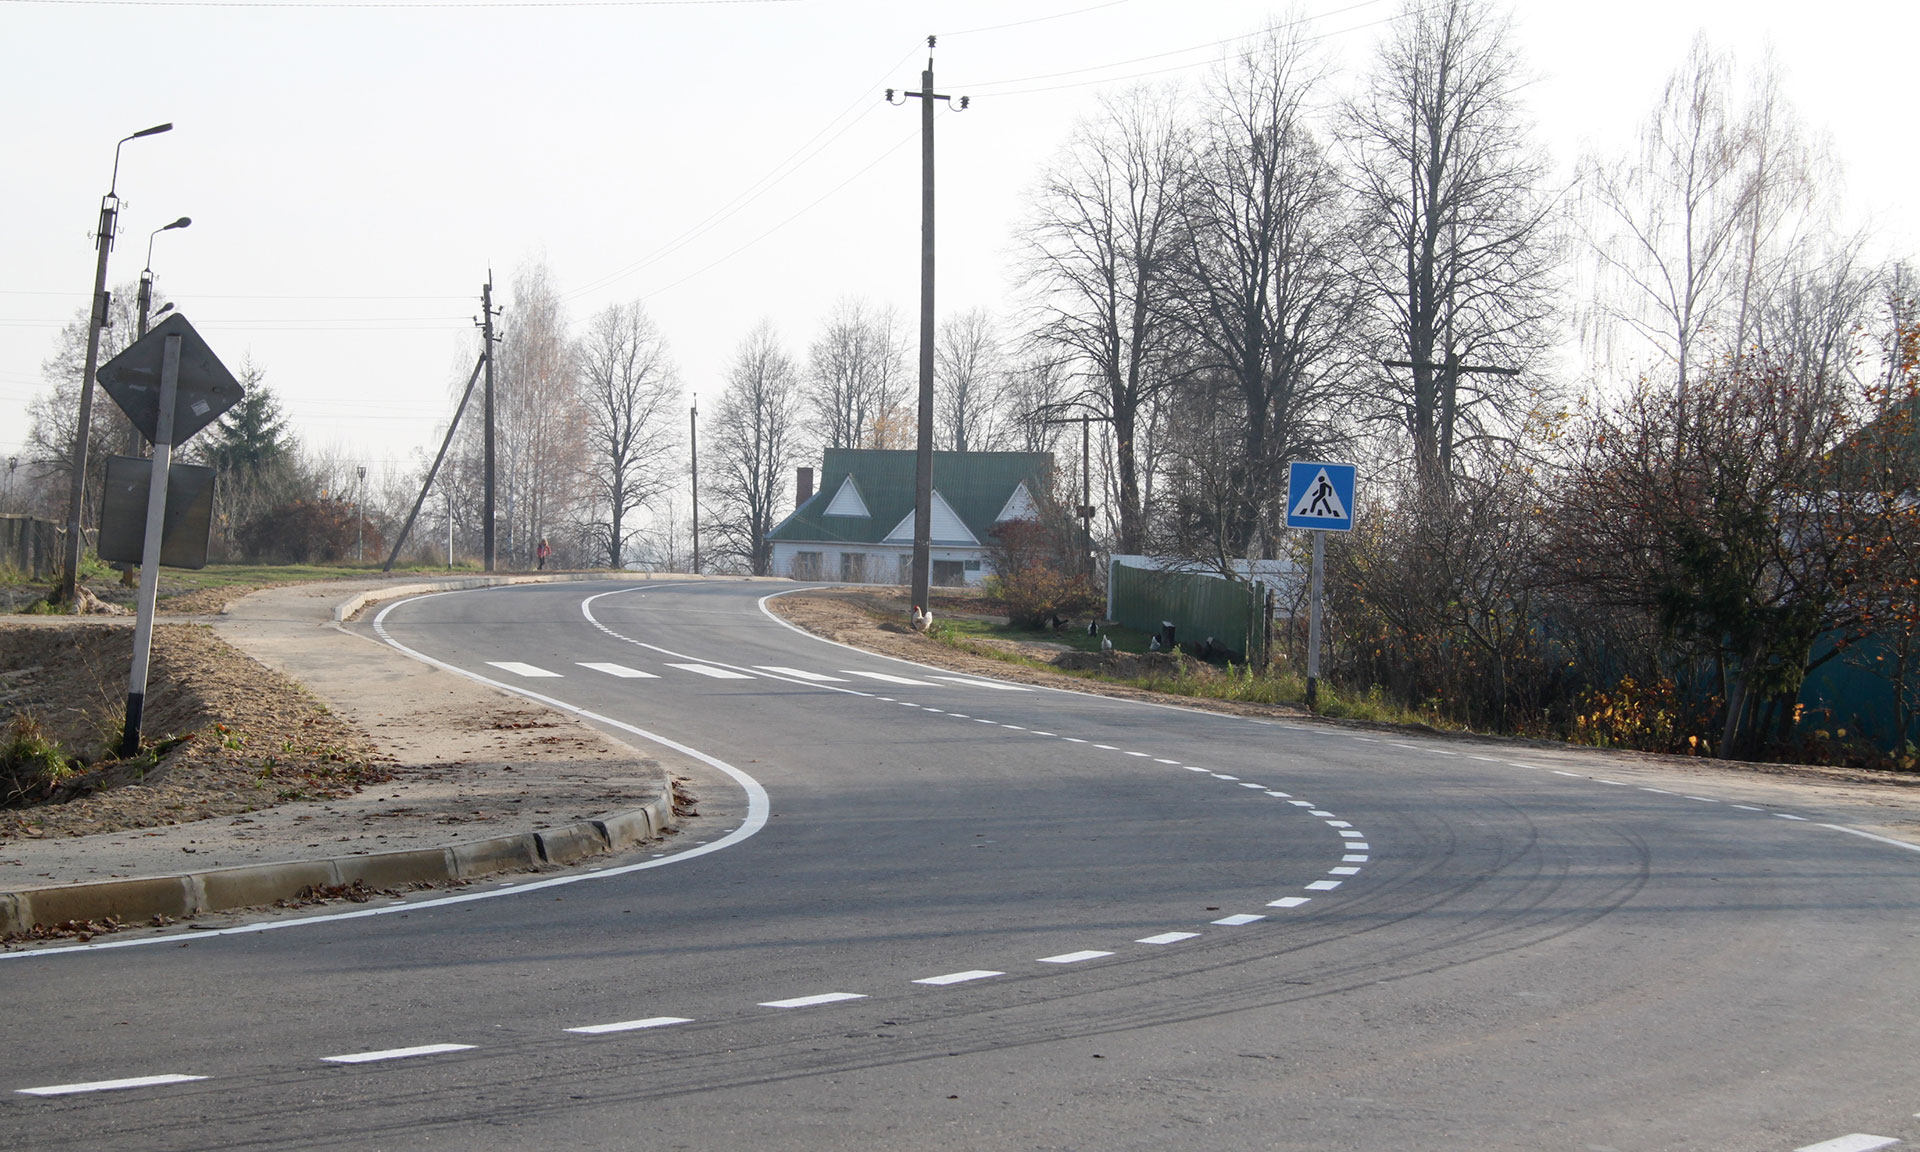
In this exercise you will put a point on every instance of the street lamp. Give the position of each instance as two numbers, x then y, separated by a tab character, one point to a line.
76	492
146	274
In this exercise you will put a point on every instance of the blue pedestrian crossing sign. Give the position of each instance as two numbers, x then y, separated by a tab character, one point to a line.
1320	495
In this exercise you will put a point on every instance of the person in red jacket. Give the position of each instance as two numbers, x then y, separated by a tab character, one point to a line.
545	550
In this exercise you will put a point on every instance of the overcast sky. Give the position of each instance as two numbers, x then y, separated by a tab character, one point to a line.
353	170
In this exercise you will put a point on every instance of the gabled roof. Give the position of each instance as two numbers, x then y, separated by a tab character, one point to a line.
847	502
947	525
977	488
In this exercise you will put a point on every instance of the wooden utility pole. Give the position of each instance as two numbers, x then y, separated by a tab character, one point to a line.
486	359
923	462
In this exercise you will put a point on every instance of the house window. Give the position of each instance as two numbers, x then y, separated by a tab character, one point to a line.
947	573
973	565
853	567
806	565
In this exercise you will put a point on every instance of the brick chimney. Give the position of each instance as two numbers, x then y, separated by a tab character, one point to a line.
802	486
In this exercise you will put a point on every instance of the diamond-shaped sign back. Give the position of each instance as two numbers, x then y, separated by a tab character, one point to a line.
205	388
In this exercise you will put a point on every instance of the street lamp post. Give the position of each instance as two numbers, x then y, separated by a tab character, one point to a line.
146	274
77	489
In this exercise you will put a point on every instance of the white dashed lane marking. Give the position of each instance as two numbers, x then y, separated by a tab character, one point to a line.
519	669
1072	957
959	977
620	670
710	670
1323	885
811	1001
1238	919
395	1053
107	1085
1169	938
1289	902
630	1025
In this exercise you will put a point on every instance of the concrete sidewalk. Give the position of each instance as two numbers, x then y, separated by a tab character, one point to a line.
484	783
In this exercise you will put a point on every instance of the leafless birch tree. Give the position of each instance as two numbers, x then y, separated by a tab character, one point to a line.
755	434
857	379
630	391
969	384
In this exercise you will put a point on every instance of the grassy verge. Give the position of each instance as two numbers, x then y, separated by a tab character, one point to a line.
1240	683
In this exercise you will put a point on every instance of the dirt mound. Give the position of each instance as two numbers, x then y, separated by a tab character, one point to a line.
248	737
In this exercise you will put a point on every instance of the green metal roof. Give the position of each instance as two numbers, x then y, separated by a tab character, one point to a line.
976	485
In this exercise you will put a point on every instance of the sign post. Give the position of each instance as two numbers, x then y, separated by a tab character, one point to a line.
150	547
171	385
1320	498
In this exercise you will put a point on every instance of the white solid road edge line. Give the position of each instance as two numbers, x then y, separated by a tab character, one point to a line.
395	1053
1871	836
106	1085
1852	1142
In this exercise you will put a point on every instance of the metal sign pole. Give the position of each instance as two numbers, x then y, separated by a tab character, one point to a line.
1313	621
150	546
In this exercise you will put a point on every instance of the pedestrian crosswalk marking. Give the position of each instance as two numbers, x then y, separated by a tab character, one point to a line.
620	670
886	678
984	684
519	669
710	670
800	675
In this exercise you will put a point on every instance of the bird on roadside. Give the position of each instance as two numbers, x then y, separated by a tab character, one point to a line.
919	619
1106	644
1093	627
1153	645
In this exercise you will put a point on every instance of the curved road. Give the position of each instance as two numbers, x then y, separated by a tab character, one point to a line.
969	914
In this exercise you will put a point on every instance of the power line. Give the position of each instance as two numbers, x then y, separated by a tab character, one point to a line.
414	4
1181	52
1038	19
752	192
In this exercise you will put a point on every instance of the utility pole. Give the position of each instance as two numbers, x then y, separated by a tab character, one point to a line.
923	462
487	313
96	320
693	439
1085	511
1450	370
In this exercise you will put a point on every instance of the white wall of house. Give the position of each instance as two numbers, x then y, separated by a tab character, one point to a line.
877	563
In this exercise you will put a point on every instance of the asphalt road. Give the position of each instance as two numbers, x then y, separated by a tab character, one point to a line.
946	914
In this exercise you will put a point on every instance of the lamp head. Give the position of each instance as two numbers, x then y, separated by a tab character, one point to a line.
153	131
180	223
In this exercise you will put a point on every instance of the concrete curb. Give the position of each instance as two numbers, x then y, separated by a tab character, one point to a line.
223	889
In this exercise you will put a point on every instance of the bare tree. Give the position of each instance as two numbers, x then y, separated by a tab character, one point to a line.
857	379
969	383
1456	249
1718	206
540	424
54	414
1106	218
1261	290
1031	387
754	441
630	391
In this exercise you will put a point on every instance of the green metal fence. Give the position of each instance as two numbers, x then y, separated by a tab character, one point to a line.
1232	612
